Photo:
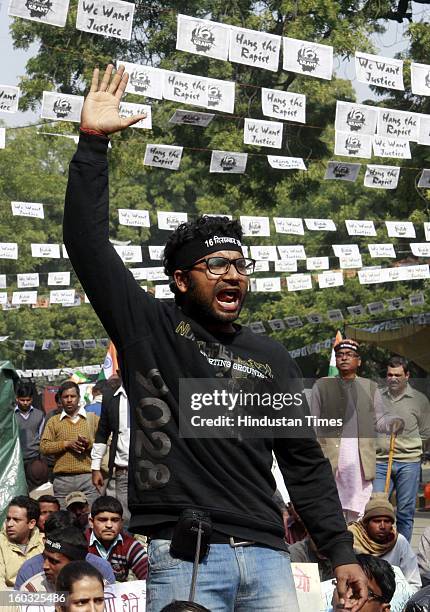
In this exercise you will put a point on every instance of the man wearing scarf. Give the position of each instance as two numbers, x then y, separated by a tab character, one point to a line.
375	534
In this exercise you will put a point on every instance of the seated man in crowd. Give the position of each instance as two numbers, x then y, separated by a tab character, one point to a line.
20	540
58	522
48	504
376	535
108	540
77	503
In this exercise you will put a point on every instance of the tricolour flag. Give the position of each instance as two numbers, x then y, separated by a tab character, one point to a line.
110	364
332	369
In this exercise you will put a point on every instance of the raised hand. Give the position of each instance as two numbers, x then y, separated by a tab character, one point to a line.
100	110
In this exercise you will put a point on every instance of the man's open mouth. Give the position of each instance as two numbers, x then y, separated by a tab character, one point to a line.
229	299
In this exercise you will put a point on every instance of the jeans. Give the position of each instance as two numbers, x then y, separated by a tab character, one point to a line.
405	478
229	579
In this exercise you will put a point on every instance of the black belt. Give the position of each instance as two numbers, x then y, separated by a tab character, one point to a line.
166	533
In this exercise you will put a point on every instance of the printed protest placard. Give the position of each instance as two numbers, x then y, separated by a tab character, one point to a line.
293	322
8	250
353	145
424	130
335	315
156	252
255	226
128	109
257	327
163	156
3	281
283	105
27	209
417	299
228	162
309	58
379	71
286	265
134	218
183	117
352	117
185	88
53	12
370	276
350	262
276	324
420	249
203	37
112	18
381	250
221	95
289	225
317	263
345	250
386	146
263	133
24	297
299	282
61	107
342	171
424	180
62	296
59	278
144	80
360	227
286	163
30	345
45	250
399	124
156	274
400	229
381	177
163	292
264	252
375	307
129	253
262	266
254	48
292	251
355	311
9	98
268	285
170	220
320	225
420	79
24	281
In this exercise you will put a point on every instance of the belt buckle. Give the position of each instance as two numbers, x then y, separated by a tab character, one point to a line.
234	544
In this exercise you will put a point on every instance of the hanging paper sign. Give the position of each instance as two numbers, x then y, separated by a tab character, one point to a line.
370	276
352	117
253	48
317	263
90	343
24	281
263	133
3	301
29	345
112	18
311	59
420	249
416	272
427	230
183	117
378	70
289	225
293	251
185	88
2	138
375	307
417	299
163	292
170	220
355	311
45	250
24	297
27	209
424	180
382	177
400	124
128	109
156	274
64	252
255	226
8	250
276	324
134	218
163	156
76	344
139	273
350	262
384	146
334	315
320	225
257	327
286	163
262	266
267	253
342	171
286	265
420	79
293	322
381	250
400	229
64	345
353	145
314	318
129	253
424	130
299	282
53	12
268	285
62	296
61	107
221	95
59	278
283	105
345	250
395	303
360	228
156	252
144	80
47	345
9	98
2	281
228	162
203	37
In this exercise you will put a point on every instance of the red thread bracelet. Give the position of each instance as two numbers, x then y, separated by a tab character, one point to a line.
92	132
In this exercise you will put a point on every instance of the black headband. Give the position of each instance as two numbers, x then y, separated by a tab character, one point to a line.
199	247
74	553
347	345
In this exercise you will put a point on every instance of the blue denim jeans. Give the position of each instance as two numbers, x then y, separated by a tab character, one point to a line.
405	478
242	579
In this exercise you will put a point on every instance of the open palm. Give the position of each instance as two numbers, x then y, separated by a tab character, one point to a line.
100	111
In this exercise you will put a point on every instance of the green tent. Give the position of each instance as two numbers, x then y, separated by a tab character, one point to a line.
12	477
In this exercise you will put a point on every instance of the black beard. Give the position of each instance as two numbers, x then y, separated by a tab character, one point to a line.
198	309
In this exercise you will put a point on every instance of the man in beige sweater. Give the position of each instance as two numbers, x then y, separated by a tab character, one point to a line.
69	437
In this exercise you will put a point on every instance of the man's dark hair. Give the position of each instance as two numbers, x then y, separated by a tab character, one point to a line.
184	606
382	572
106	503
398	362
101	386
32	507
68	384
48	499
74	571
69	536
24	389
63	519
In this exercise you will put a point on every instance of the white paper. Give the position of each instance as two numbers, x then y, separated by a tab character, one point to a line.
163	156
345	250
381	250
262	266
317	263
133	218
360	227
427	230
3	300
89	343
420	249
62	296
24	297
257	327
292	251
9	98
286	163
320	225
3	281
170	220
8	250
350	262
389	146
424	180
289	225
30	345
254	48
399	124
61	107
59	278
293	322
330	279
128	109
111	18
395	303
420	79
351	117
378	70
64	345
185	88
353	145
156	252
163	292
203	37
53	12
314	318
183	117
27	209
375	307
276	324
156	274
267	253
381	177
286	265
228	162
255	226
283	105
355	311
417	299
268	285
25	281
2	138
299	282
139	273
400	229
45	250
47	345
335	315
144	80
342	171
424	130
308	58
263	133
221	95
129	253
64	252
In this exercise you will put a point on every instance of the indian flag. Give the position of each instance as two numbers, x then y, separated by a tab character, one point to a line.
332	369
110	364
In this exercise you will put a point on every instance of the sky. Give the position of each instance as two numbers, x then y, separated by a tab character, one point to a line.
14	60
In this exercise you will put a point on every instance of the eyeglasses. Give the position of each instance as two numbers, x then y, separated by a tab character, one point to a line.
221	265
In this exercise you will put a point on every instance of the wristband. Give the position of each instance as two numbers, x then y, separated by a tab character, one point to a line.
92	132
